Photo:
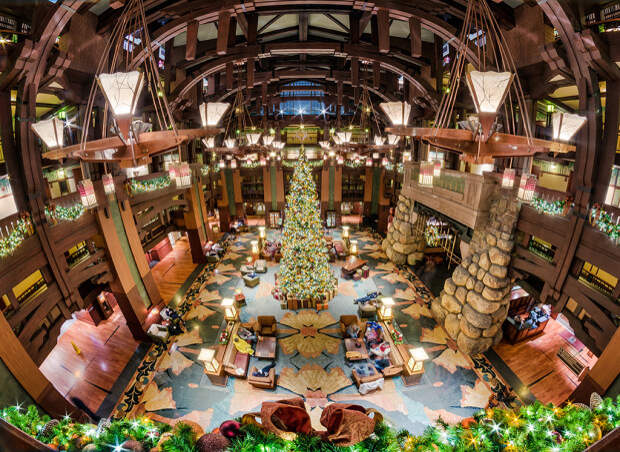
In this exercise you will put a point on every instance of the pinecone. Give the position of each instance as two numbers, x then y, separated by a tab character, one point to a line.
133	446
104	424
595	400
48	428
212	442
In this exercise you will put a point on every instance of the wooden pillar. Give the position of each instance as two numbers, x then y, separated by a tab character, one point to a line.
191	40
355	72
223	26
376	74
195	222
415	31
609	143
9	150
354	27
383	30
27	373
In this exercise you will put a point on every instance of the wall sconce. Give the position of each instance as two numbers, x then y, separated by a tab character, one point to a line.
108	184
385	311
207	356
230	311
417	356
527	186
87	193
508	178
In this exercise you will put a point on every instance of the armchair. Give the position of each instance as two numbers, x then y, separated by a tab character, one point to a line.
266	325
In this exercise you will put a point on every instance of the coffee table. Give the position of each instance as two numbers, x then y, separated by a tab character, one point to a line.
350	345
266	347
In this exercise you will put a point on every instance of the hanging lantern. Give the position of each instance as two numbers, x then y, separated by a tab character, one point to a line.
375	155
121	90
325	157
263	162
181	175
379	140
340	160
332	154
212	112
233	164
51	132
437	168
344	137
222	164
527	187
87	193
324	144
268	139
384	161
397	112
427	170
278	144
337	139
393	139
406	156
108	184
252	138
508	178
209	142
368	162
230	143
488	89
566	125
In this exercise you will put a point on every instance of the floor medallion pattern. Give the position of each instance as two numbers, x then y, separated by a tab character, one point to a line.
309	341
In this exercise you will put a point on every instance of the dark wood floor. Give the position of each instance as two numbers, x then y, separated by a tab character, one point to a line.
537	365
174	269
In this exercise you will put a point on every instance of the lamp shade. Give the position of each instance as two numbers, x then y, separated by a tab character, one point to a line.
212	112
393	139
222	164
337	139
397	112
51	132
252	138
324	144
230	311
406	156
344	136
508	178
488	89
527	187
87	193
379	140
230	143
207	356
368	162
566	125
278	144
384	161
209	142
268	139
121	90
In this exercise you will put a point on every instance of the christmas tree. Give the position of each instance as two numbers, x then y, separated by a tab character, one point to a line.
304	269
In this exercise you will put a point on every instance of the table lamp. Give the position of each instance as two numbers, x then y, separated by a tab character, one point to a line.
417	356
385	311
207	355
230	311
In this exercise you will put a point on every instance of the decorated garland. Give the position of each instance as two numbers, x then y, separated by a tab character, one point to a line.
603	221
536	427
206	169
22	229
55	213
556	207
311	163
156	183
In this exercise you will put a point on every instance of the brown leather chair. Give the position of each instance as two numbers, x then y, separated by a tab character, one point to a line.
346	321
268	382
266	325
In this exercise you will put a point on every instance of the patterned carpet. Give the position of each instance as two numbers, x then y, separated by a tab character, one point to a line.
170	384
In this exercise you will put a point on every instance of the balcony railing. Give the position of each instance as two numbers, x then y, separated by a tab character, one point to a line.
463	197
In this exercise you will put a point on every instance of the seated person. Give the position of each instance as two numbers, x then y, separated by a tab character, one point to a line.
242	346
353	331
381	364
247	335
369	297
373	334
265	370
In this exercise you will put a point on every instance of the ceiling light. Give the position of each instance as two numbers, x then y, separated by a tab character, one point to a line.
397	112
566	125
50	131
212	112
488	89
121	90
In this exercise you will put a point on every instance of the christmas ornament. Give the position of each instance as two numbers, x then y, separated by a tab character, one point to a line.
212	442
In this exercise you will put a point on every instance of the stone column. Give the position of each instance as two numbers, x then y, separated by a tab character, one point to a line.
475	300
401	245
